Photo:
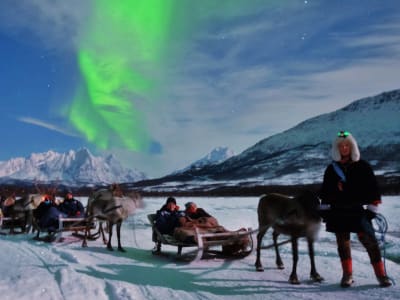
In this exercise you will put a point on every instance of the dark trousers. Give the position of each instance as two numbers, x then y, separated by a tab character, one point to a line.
367	240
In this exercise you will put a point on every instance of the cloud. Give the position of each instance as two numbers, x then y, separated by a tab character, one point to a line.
46	125
54	23
226	100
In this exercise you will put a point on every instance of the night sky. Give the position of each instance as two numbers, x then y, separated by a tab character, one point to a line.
160	83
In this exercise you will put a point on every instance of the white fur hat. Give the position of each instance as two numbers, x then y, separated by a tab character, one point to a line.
345	136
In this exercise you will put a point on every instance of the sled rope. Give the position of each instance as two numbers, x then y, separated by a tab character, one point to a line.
134	232
381	228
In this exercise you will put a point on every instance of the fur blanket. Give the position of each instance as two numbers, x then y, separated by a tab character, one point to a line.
186	233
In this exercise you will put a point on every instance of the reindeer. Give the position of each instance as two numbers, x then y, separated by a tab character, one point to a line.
296	217
21	211
113	207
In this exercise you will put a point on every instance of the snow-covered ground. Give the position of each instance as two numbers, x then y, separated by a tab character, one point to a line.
36	270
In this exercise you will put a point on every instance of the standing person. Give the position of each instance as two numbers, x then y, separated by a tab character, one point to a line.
72	207
349	183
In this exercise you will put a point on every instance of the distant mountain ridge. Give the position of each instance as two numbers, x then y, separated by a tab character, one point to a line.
73	168
300	154
215	156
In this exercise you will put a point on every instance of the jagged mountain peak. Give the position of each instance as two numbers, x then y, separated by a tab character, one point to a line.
218	154
72	167
215	156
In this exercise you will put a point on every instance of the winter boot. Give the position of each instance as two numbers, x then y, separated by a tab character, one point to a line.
380	273
347	278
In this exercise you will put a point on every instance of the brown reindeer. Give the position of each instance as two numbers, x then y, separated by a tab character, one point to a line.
104	205
21	211
296	217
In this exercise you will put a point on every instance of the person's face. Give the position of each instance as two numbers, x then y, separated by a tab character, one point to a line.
192	208
345	149
171	206
69	196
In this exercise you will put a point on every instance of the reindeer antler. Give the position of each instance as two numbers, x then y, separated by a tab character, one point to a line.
53	190
116	190
38	188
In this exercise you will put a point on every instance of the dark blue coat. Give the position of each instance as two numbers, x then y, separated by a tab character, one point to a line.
47	215
166	221
360	188
72	208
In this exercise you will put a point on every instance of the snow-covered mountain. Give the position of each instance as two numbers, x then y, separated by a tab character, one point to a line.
300	154
73	168
216	156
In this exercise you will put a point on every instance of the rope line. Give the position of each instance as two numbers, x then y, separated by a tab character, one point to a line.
380	225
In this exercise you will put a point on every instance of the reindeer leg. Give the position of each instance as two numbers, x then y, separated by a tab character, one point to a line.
110	227
87	229
313	274
119	224
37	234
29	220
12	231
260	236
279	262
293	279
103	235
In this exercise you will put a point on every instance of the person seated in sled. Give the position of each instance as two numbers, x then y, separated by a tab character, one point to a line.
167	217
6	204
196	216
47	214
72	207
194	212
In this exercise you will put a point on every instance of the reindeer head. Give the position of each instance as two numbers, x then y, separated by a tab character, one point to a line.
310	203
137	199
10	200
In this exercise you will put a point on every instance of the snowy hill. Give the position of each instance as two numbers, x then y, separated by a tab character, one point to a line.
72	168
300	154
216	156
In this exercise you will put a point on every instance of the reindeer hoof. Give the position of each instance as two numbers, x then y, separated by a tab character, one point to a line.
316	277
110	248
259	268
294	280
280	266
121	249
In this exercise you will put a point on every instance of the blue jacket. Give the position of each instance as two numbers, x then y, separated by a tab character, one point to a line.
72	208
47	215
167	221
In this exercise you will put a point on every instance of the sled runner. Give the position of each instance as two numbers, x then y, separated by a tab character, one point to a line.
4	224
77	226
209	241
9	224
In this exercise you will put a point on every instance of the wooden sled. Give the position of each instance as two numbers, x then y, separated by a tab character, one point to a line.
206	242
10	224
4	224
78	227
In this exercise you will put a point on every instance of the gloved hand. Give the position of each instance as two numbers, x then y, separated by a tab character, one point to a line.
324	211
371	211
